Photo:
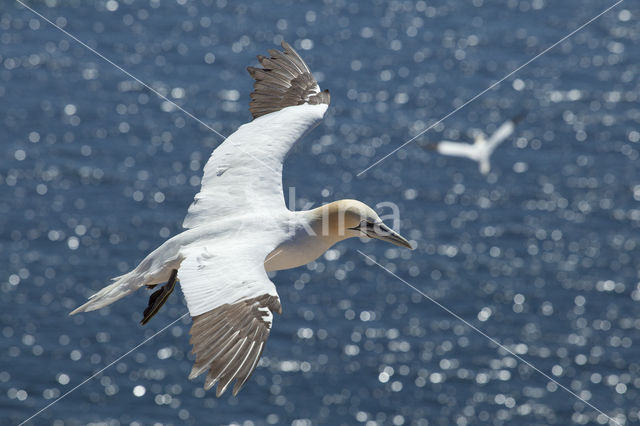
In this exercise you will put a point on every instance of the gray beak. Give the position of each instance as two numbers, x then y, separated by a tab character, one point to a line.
380	231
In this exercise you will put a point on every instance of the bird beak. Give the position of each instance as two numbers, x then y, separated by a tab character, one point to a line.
380	231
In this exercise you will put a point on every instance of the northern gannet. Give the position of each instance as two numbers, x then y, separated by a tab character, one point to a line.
482	148
238	228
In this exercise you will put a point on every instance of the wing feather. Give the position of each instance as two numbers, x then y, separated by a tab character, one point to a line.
284	80
235	354
252	357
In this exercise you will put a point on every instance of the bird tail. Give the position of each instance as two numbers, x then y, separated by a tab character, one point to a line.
123	285
154	269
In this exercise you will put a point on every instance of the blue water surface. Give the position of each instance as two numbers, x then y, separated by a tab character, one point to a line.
542	255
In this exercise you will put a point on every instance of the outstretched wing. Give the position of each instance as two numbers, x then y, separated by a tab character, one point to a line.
245	172
503	132
456	149
231	301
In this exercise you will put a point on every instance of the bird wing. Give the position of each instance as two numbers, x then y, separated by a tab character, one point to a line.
456	149
284	80
503	132
231	301
245	172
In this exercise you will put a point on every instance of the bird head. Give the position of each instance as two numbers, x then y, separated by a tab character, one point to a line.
352	218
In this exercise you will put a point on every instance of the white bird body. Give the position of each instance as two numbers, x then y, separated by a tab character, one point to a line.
477	151
482	148
238	228
283	237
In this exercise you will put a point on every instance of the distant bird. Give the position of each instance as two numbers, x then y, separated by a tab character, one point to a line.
482	148
238	228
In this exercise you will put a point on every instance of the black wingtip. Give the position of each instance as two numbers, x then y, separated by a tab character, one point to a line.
518	118
431	146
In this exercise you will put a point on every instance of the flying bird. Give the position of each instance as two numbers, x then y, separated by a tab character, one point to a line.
482	148
238	228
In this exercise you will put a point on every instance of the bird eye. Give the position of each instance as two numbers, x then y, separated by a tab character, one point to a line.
368	225
363	225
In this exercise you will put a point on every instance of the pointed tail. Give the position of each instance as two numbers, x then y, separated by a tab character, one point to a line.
123	285
154	269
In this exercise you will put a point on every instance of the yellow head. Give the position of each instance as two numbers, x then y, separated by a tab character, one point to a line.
352	218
